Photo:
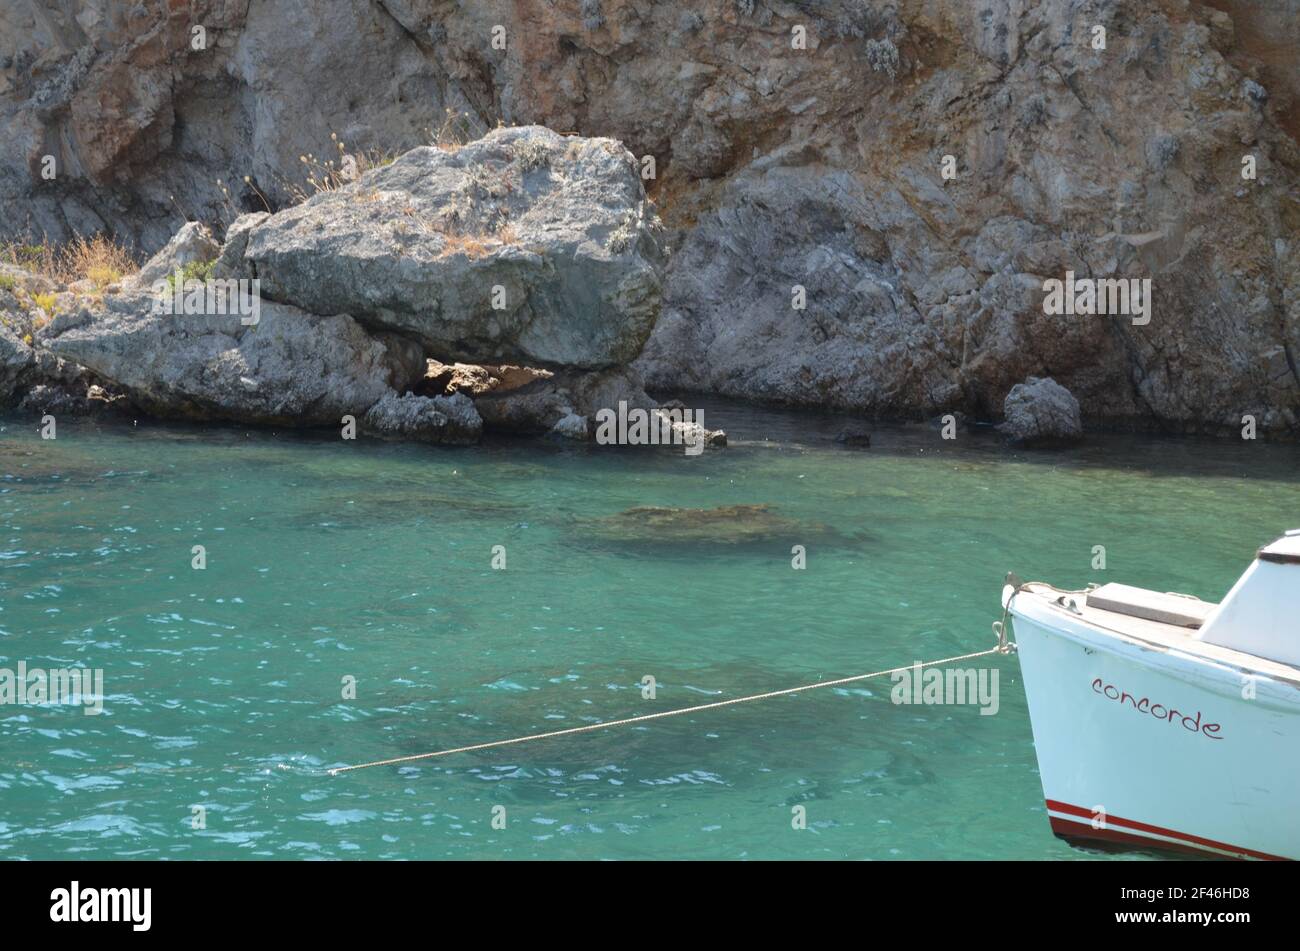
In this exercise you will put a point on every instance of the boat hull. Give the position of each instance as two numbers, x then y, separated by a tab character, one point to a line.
1144	748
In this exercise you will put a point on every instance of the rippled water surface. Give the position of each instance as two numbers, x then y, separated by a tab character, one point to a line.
329	560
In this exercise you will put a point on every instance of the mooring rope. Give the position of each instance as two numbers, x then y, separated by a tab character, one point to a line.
1002	648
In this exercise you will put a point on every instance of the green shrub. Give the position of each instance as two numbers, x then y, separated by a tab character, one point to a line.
194	271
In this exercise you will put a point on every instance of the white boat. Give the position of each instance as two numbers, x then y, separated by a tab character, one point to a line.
1164	722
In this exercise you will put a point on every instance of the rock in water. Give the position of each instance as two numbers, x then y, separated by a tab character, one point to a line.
439	419
539	405
571	426
1041	412
725	525
292	368
854	437
524	245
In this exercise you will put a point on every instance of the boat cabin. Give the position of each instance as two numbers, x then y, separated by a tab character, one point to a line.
1260	614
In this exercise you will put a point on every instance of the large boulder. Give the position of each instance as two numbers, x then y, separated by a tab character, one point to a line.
1041	412
524	245
290	368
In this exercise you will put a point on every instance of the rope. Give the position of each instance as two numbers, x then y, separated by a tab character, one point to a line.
1001	648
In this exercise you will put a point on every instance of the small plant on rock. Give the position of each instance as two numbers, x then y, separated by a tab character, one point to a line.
194	271
98	259
531	154
47	303
457	129
32	257
328	174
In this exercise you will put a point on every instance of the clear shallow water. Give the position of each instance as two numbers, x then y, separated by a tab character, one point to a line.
329	559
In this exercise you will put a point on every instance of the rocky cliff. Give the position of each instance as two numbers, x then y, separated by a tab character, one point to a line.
863	199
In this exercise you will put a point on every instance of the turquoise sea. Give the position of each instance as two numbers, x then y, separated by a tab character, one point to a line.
328	560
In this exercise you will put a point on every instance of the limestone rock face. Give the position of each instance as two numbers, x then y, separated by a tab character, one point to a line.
1041	412
774	167
19	361
230	259
75	397
142	117
16	360
522	245
789	292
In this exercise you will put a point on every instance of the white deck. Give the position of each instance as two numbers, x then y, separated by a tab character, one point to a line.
1180	610
1156	634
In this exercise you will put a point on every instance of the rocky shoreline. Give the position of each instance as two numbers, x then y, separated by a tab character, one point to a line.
865	224
522	246
387	305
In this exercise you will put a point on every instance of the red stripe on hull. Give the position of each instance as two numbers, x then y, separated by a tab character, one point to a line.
1187	843
1081	832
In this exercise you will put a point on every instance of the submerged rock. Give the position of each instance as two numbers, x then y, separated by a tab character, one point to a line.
857	437
725	525
1041	412
524	245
